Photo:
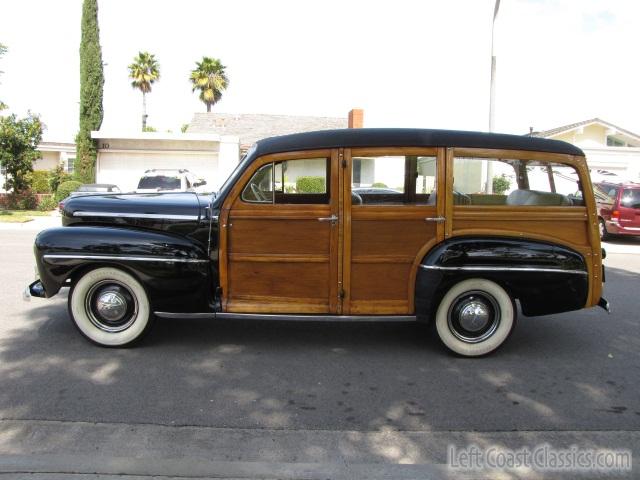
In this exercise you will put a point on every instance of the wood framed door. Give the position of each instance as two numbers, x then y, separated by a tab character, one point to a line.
279	248
392	217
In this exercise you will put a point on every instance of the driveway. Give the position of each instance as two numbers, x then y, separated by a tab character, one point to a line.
250	399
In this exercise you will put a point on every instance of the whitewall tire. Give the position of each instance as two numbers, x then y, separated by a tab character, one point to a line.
109	307
475	317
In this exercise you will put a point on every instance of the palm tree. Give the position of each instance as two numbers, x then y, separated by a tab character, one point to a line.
210	78
143	72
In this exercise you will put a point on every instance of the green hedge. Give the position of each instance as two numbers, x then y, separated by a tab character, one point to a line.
65	189
40	181
310	185
47	204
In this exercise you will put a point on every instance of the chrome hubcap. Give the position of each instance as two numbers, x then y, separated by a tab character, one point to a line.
111	306
474	316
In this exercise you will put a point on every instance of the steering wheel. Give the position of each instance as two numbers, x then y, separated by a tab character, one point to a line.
260	196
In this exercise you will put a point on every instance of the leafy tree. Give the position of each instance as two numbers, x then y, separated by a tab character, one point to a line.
210	79
184	128
143	72
3	50
91	87
19	139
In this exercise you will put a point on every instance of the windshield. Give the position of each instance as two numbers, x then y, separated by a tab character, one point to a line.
231	178
160	182
630	198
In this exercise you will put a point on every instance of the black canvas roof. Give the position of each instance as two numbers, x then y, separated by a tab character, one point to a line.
409	137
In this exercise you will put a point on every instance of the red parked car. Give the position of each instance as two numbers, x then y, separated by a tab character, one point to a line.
618	207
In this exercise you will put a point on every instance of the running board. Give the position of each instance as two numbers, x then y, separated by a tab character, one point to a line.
291	318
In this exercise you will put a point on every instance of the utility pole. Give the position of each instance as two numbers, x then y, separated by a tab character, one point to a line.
492	86
492	96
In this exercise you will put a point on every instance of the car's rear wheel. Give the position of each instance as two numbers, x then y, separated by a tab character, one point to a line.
475	317
110	307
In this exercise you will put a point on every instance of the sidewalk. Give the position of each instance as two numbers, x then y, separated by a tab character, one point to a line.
109	450
37	224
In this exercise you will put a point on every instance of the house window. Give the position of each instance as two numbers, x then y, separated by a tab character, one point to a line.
614	142
70	165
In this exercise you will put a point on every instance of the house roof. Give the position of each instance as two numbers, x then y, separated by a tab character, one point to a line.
566	128
252	127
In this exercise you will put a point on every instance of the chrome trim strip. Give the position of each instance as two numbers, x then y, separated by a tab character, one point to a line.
503	269
160	216
122	257
288	318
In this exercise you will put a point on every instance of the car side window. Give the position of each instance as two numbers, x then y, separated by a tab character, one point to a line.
511	182
300	181
393	180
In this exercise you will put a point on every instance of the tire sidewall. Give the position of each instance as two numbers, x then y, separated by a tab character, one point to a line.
507	318
79	316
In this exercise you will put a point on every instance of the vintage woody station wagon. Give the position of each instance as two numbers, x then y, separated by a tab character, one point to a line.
363	224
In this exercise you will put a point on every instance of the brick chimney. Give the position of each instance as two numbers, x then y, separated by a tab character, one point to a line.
356	118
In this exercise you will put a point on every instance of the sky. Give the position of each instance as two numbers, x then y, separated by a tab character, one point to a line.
421	63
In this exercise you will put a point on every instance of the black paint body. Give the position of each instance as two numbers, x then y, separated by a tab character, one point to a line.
539	292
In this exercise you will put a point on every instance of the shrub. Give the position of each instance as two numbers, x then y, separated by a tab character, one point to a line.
56	177
47	203
501	184
310	185
379	185
25	200
65	189
39	180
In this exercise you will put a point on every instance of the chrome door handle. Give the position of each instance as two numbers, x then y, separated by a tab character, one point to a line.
435	219
333	219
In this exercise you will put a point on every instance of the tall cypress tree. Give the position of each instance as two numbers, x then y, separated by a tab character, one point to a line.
91	83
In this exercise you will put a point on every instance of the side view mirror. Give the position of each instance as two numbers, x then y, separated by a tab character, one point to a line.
200	182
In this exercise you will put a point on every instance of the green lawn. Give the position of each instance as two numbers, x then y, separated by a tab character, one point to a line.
20	216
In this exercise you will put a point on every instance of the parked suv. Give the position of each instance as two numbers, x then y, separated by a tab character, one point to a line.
618	207
165	180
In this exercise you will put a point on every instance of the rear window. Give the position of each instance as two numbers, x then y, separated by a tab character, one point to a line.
160	182
630	198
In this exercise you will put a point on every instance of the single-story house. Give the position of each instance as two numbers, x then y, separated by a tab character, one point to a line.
123	158
52	154
211	147
607	147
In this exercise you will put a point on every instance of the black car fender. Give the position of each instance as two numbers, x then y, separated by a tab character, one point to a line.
175	271
545	277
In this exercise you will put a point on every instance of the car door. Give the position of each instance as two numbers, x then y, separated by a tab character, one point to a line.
392	217
279	233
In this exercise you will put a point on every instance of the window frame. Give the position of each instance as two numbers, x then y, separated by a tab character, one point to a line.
504	154
407	153
276	159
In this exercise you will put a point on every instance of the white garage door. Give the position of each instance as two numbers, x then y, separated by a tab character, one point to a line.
125	168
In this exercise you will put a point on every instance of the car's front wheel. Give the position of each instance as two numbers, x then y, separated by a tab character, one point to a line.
109	307
475	317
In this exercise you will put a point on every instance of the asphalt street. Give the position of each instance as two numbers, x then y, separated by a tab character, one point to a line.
307	395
